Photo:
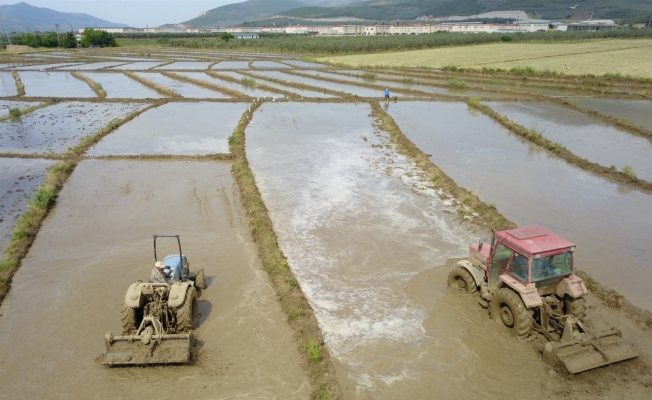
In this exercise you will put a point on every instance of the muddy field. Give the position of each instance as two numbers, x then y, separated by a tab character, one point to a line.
368	235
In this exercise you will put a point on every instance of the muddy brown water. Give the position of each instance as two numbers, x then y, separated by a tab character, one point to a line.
97	242
582	135
370	246
175	128
609	222
57	127
118	85
183	88
54	84
19	179
635	111
7	85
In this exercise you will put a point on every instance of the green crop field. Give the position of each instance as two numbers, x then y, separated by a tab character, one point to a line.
627	57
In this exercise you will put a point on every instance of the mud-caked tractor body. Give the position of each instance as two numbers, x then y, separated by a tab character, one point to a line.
158	316
526	277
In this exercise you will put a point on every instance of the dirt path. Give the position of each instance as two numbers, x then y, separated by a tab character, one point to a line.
96	242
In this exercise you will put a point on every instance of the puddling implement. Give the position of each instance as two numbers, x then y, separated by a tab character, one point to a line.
158	316
526	277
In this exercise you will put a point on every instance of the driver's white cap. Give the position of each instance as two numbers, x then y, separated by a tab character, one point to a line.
158	264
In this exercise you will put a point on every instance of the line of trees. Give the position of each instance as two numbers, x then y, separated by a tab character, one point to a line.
51	39
364	44
96	37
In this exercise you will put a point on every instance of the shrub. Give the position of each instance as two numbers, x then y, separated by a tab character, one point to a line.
629	172
506	38
14	112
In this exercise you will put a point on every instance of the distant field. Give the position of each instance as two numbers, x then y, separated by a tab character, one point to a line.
628	57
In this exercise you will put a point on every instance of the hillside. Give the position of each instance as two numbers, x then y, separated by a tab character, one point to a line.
253	10
410	9
21	17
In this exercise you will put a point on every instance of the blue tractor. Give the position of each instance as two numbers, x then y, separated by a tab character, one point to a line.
158	316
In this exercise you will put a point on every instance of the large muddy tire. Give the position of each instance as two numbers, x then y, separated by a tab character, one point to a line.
460	278
130	319
200	280
575	307
187	313
507	307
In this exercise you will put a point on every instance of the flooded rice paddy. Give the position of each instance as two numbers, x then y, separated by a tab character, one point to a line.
175	128
107	213
92	66
368	240
120	86
608	221
183	88
269	65
5	106
636	112
583	135
19	179
7	85
54	84
316	83
55	128
247	90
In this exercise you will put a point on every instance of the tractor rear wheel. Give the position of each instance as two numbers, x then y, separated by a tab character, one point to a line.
187	313
130	319
200	280
575	307
507	306
460	278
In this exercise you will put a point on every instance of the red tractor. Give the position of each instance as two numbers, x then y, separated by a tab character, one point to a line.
526	277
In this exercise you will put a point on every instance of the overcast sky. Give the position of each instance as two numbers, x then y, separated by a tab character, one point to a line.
138	13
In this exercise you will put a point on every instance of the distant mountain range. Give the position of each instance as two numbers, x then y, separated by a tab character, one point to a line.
266	12
22	17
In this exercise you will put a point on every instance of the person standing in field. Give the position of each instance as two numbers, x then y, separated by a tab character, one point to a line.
386	95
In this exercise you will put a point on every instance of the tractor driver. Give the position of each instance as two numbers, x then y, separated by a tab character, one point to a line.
164	269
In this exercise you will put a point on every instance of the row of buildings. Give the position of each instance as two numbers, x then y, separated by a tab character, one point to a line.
384	30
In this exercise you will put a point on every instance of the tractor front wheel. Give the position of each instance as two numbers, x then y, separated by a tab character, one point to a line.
575	307
188	312
460	278
130	319
507	306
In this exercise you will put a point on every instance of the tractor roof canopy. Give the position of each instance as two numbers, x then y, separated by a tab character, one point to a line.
531	240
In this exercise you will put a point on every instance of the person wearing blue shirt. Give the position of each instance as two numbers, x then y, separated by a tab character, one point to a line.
386	95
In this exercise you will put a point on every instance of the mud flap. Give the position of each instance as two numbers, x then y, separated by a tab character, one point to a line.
586	353
143	350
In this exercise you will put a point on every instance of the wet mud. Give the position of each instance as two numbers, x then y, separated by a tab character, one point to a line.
19	179
175	129
54	84
582	135
120	86
608	221
183	88
56	128
636	112
107	213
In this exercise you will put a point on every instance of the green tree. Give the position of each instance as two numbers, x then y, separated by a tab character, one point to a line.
97	38
69	41
226	36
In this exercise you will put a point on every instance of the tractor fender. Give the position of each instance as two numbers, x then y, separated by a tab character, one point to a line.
178	294
134	297
473	270
572	286
529	293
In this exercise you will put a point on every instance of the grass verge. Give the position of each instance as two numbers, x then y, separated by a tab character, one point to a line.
300	315
535	137
19	84
97	88
29	223
467	203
